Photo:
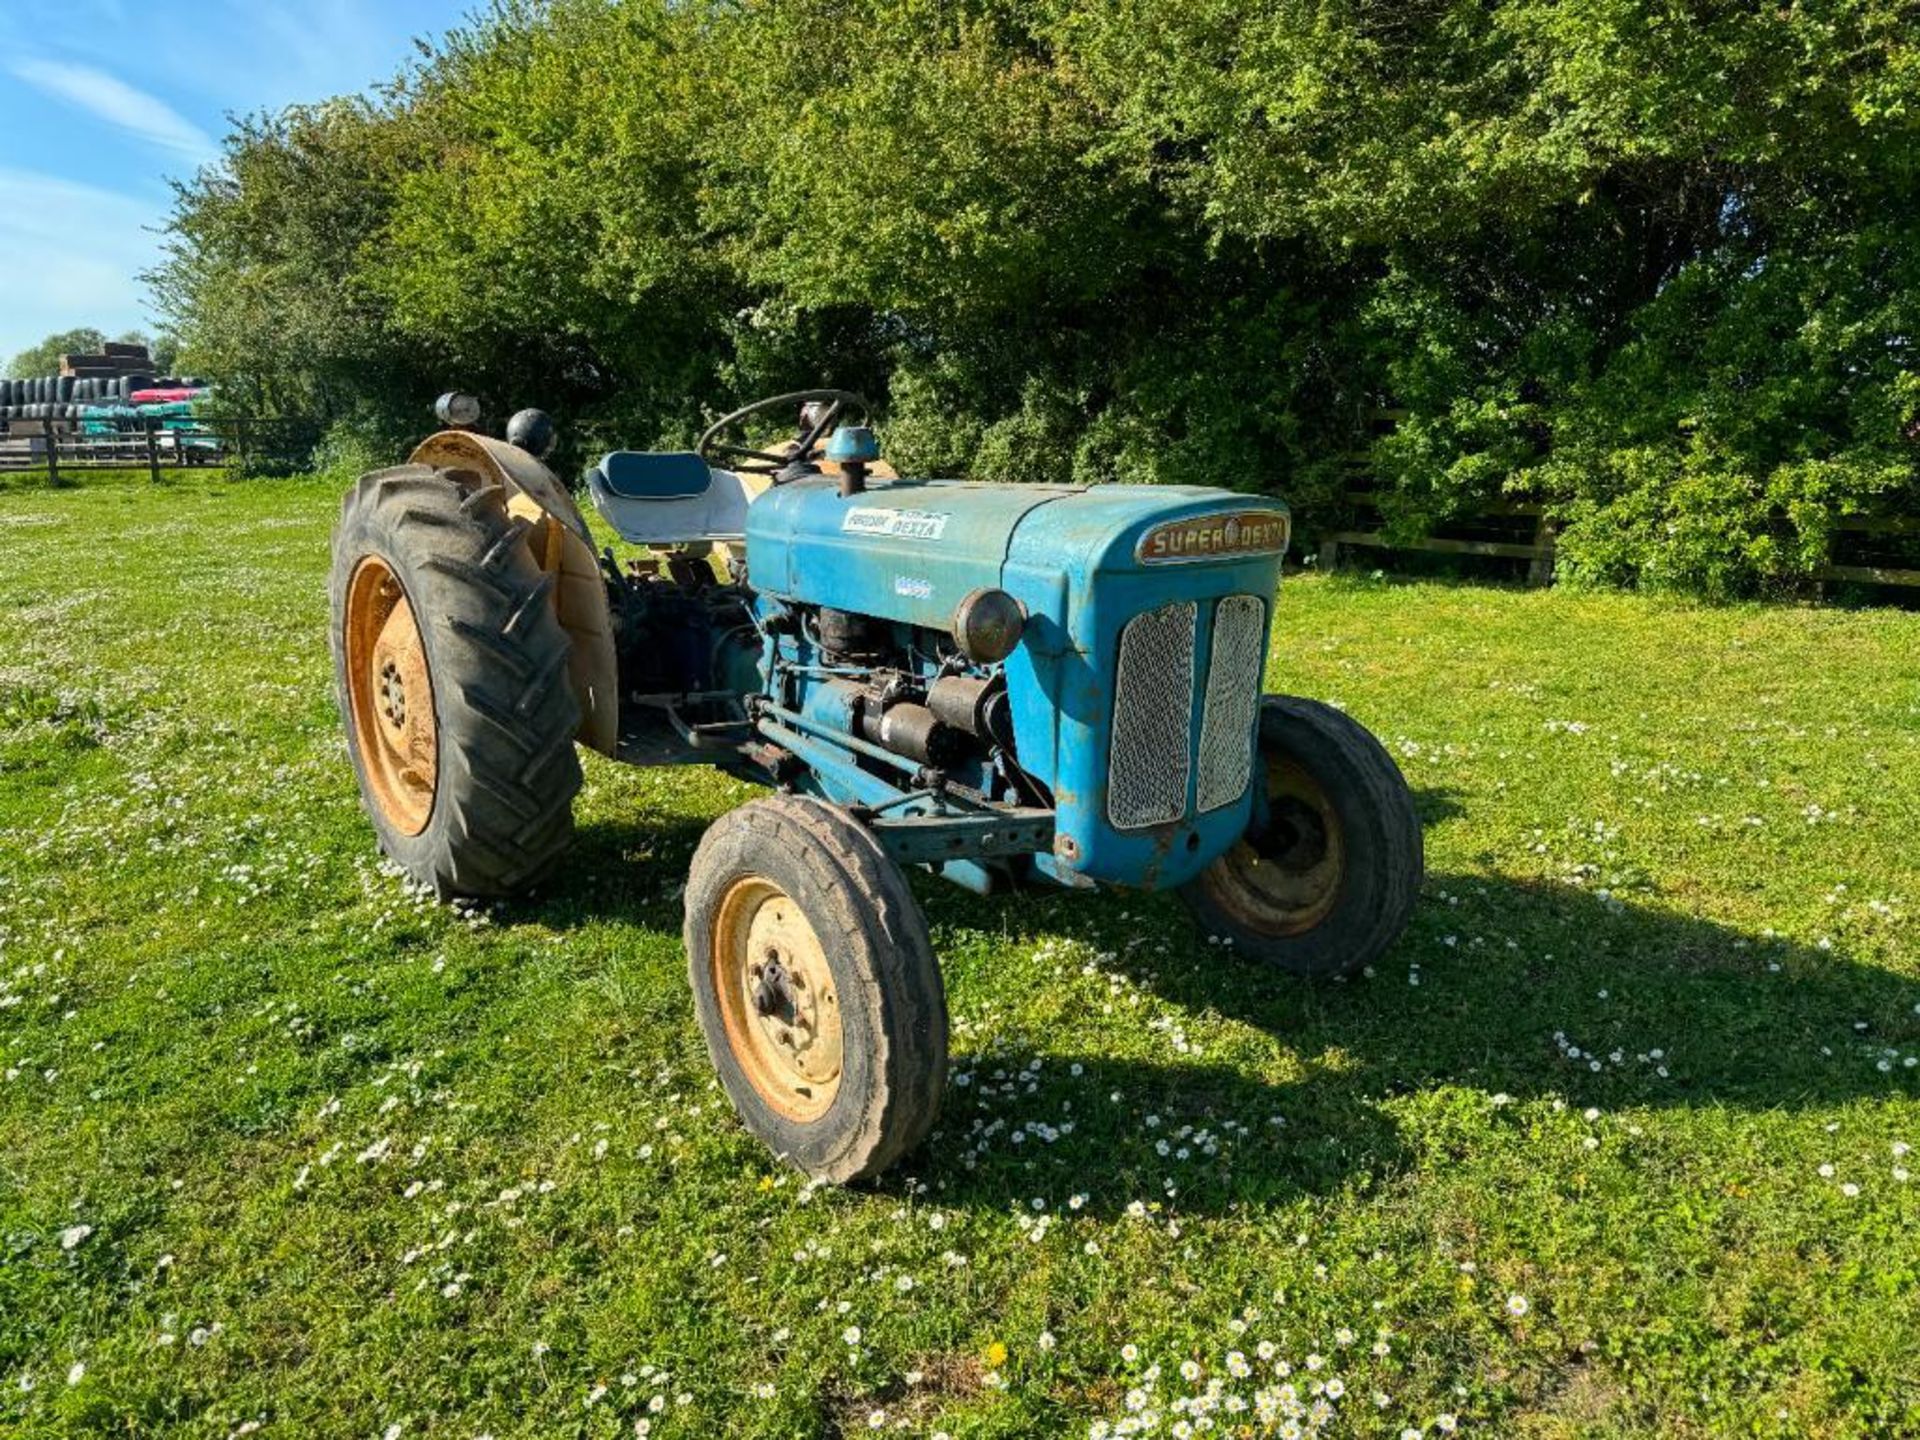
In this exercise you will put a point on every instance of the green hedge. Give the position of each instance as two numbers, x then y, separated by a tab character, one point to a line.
1652	264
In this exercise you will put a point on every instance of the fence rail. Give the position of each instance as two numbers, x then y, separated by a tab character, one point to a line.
1509	530
1865	551
155	443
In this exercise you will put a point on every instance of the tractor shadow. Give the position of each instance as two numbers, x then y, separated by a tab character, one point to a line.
1142	1137
1436	803
1501	985
633	871
1510	987
636	869
1107	1114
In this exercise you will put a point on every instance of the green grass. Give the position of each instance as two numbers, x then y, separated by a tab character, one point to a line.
280	1142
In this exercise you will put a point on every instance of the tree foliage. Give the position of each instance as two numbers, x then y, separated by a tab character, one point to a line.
1650	262
44	358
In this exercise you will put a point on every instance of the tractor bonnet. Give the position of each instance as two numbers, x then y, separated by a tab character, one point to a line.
1135	686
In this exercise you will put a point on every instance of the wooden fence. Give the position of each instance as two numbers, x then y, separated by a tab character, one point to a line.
155	444
1864	551
1508	531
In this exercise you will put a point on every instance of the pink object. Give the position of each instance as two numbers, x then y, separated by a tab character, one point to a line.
165	397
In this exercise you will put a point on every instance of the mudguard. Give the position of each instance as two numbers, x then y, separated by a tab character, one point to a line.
562	546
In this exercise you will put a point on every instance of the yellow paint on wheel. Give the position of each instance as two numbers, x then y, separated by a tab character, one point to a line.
390	695
778	1002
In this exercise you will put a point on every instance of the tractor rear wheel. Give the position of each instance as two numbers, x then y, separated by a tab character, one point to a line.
1325	878
816	987
451	669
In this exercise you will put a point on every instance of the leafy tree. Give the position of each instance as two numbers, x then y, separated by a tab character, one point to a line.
265	279
1649	263
164	352
44	358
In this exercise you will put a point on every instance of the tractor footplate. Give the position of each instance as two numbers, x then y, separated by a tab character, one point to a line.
930	839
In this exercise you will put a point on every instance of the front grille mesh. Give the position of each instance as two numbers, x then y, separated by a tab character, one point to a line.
1233	697
1151	760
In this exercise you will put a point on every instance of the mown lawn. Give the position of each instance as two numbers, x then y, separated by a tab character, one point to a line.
1615	1144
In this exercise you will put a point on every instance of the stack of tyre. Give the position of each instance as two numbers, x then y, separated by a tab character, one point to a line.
65	397
177	406
43	397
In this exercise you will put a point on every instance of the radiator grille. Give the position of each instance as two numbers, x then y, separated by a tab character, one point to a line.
1233	697
1151	759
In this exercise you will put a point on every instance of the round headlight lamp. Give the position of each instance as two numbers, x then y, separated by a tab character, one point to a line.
457	409
532	431
988	625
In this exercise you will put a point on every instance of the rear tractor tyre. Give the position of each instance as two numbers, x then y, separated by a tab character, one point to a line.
816	987
1325	879
450	665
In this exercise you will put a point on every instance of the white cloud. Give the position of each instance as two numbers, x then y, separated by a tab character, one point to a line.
69	256
242	56
113	100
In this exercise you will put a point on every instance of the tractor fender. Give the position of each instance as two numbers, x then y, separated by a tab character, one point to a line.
561	545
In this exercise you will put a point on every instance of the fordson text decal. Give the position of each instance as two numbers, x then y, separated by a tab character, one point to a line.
906	524
1214	537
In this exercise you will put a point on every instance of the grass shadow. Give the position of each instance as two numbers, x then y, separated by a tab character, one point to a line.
1436	803
632	871
1195	1138
1502	985
1530	989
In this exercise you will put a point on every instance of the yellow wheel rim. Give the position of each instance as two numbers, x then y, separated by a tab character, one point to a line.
778	1003
390	695
1286	880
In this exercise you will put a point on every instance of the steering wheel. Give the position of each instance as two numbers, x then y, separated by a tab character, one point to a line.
805	448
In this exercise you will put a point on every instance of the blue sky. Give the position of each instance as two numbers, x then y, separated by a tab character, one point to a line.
102	100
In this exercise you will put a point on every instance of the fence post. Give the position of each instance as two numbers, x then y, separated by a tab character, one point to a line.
240	439
53	454
153	451
1540	571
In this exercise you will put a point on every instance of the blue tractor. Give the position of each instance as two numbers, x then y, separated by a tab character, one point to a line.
1005	685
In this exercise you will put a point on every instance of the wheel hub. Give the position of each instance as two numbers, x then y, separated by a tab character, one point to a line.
788	1012
1295	837
778	1001
393	695
772	987
1285	876
390	696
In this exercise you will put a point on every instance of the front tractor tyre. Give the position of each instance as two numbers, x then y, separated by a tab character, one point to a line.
816	987
1326	876
451	669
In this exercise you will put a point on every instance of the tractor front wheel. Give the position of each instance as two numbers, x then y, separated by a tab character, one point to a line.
816	987
451	670
1325	878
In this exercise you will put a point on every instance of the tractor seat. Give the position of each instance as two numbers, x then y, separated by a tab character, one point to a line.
668	498
649	475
